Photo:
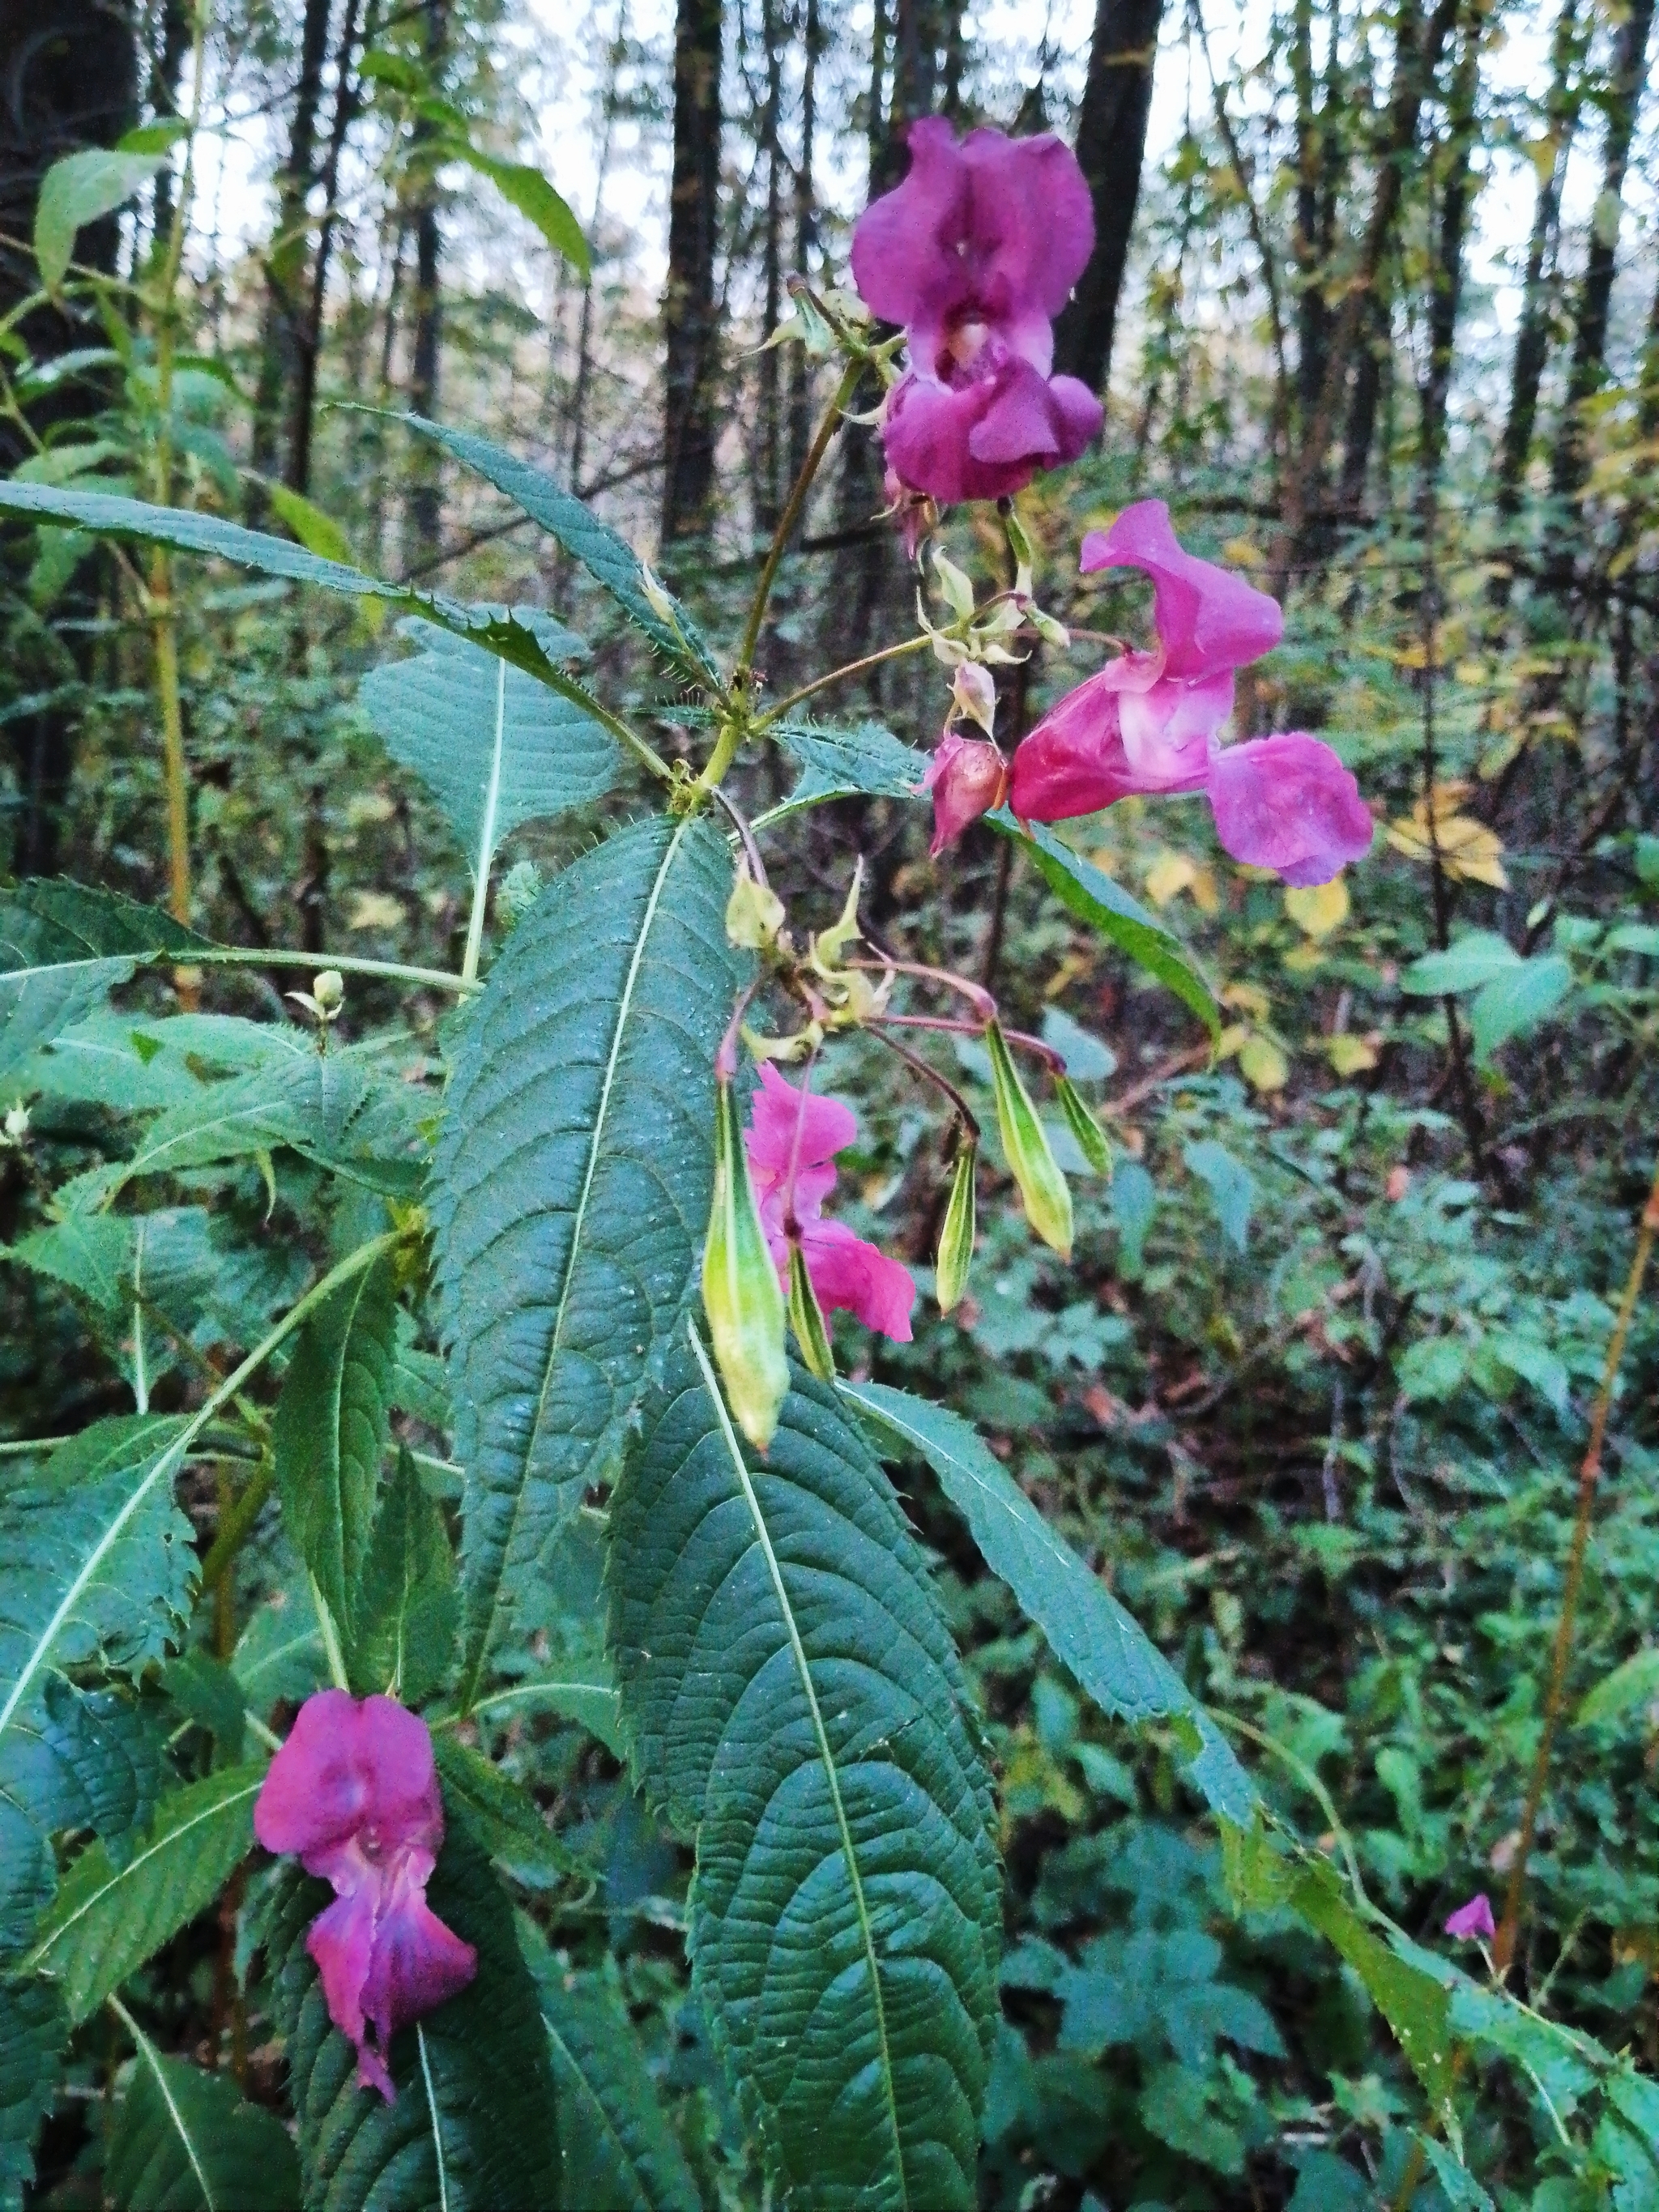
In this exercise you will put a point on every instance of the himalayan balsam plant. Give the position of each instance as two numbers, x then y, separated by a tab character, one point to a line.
614	1209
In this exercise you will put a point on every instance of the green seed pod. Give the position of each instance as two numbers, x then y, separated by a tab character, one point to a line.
807	1319
1091	1141
740	1291
955	1238
1025	1147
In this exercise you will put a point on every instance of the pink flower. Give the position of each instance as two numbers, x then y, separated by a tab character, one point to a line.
1149	723
976	253
967	776
353	1791
1474	1919
846	1274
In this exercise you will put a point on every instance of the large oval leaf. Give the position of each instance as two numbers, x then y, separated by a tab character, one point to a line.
572	1183
794	1699
184	2141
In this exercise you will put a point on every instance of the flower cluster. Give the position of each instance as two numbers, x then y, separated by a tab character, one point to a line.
354	1792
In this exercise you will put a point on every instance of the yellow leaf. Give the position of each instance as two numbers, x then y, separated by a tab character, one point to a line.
1243	552
1205	897
1349	1055
1262	1065
1170	874
375	910
1319	908
1247	999
1232	1039
1302	956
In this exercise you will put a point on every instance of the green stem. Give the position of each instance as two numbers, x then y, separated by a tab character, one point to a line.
840	676
234	1529
789	518
486	836
236	956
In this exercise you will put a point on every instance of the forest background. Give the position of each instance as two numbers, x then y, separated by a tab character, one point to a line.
1374	304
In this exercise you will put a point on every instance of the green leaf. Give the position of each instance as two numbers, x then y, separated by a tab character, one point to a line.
504	1816
609	560
527	190
571	1185
795	1701
589	1698
866	762
494	749
1083	890
62	948
1517	1001
317	532
618	2149
1634	1682
473	2127
1462	2192
184	2141
403	1628
328	1435
1474	960
75	192
1231	1186
32	2034
108	1918
279	1655
1416	2007
1111	1656
88	1253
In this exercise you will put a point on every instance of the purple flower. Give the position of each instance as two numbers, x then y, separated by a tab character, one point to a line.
967	776
974	254
1474	1919
1149	723
847	1273
353	1791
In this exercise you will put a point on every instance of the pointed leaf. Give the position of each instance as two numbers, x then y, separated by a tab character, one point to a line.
618	2149
184	2141
33	2034
328	1435
571	1183
108	1919
505	1817
589	1698
1518	1001
77	190
867	762
609	560
473	2127
1111	1656
495	749
795	1701
404	1627
62	948
1093	897
529	191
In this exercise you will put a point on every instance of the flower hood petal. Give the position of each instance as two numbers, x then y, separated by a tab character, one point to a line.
1207	619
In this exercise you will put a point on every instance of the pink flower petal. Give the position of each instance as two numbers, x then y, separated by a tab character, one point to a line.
416	1963
826	1127
1076	761
1473	1919
350	1766
1207	619
967	776
987	435
1288	804
850	1276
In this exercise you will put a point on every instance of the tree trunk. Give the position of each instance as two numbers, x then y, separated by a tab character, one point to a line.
348	96
1359	433
806	239
584	326
69	80
286	261
916	30
1446	275
424	488
690	318
1590	344
1312	315
1111	145
167	68
1532	338
769	494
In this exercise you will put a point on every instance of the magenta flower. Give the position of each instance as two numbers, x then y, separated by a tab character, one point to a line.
353	1791
974	254
1149	723
790	1128
967	776
1474	1919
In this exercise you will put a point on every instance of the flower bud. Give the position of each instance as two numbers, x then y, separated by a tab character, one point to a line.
955	1238
1025	1145
956	584
740	1292
754	913
967	776
1091	1141
974	695
328	990
1020	544
807	1319
16	1125
657	597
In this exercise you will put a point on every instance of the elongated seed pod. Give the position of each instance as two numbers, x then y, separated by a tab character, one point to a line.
1025	1147
741	1294
807	1319
955	1238
1091	1141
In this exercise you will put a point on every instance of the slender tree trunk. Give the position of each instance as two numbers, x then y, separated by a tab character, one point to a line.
424	488
1111	146
769	498
69	80
916	30
1446	293
1532	338
800	367
348	96
168	66
1312	315
579	396
1589	345
1359	431
690	316
956	60
287	259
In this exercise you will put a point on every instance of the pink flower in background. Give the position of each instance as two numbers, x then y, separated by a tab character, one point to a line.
1149	723
974	254
1473	1919
967	776
847	1274
353	1791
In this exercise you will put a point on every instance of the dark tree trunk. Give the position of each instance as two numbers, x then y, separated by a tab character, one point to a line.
579	396
1446	294
167	68
1532	338
302	407
917	25
1589	343
1360	432
806	239
769	494
1111	145
424	487
286	261
69	80
691	316
1312	315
